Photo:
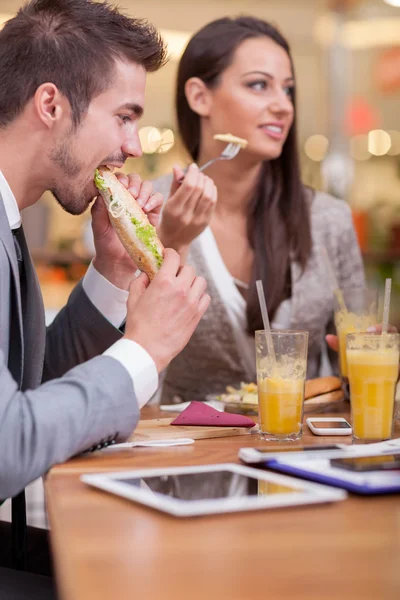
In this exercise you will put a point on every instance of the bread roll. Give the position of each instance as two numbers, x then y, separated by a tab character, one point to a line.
321	385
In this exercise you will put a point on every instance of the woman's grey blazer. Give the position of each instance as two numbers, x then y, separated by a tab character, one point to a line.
211	360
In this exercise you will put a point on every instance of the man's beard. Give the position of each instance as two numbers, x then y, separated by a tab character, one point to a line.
72	202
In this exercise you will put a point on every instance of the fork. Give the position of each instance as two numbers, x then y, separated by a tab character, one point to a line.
229	152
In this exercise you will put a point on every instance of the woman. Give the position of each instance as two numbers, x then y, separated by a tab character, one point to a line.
236	76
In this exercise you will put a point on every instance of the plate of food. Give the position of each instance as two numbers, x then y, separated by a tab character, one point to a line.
319	394
242	400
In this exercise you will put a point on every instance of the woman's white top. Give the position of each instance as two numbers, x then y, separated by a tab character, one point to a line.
234	302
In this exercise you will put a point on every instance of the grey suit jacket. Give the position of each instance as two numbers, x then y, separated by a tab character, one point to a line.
86	399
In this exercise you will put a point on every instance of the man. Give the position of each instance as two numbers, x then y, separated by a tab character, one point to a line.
72	89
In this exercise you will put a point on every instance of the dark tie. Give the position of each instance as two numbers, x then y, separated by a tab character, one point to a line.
19	532
17	237
19	243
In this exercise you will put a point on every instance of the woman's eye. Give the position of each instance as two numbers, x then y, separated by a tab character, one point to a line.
258	86
289	91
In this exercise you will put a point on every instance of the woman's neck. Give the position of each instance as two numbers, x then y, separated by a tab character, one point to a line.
236	180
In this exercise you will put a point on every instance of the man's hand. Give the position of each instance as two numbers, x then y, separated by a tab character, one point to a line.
188	210
333	342
111	259
163	315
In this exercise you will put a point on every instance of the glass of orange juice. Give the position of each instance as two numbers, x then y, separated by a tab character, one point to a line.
353	313
373	366
280	383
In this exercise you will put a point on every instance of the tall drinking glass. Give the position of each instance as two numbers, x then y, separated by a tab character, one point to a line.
360	312
373	365
280	383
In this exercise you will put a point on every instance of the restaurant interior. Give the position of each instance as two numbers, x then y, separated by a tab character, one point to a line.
347	59
347	63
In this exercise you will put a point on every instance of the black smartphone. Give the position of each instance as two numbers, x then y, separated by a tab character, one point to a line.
260	455
314	447
368	463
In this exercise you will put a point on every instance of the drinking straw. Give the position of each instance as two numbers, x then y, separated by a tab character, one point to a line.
333	281
386	305
267	326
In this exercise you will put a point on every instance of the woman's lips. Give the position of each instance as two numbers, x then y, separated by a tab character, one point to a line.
276	132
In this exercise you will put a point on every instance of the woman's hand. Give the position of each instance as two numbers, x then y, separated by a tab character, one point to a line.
188	210
333	342
111	259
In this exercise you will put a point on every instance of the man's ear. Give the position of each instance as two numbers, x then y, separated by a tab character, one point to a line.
198	96
50	104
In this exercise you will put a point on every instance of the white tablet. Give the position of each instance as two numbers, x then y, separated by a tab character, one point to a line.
208	489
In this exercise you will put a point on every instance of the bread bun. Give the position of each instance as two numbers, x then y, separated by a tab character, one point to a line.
133	228
321	385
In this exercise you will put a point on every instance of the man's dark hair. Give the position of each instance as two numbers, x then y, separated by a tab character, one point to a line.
73	44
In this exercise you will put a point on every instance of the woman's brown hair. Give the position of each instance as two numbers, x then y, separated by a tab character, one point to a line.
279	224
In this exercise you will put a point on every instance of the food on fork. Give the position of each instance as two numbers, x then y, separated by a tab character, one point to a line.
133	228
231	139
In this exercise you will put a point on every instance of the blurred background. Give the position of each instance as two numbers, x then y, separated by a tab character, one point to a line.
347	60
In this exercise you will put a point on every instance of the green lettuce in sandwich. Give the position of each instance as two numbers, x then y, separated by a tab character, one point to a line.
130	222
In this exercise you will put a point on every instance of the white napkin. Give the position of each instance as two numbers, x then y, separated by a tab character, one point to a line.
151	444
180	407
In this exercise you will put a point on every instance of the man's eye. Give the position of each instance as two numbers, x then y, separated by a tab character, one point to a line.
258	86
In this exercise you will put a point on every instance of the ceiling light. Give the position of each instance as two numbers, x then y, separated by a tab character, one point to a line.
393	2
150	139
167	141
379	142
316	147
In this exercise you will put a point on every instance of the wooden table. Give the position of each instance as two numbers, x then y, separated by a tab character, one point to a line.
106	547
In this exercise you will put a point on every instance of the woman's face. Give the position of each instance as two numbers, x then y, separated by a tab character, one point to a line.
253	98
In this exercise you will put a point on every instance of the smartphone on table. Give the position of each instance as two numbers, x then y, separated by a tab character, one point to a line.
261	455
329	426
361	464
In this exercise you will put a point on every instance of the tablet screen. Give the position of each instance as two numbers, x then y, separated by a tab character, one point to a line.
209	486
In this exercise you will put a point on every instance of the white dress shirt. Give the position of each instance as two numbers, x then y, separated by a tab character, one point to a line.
111	302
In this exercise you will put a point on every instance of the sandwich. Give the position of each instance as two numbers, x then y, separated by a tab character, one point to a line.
130	222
